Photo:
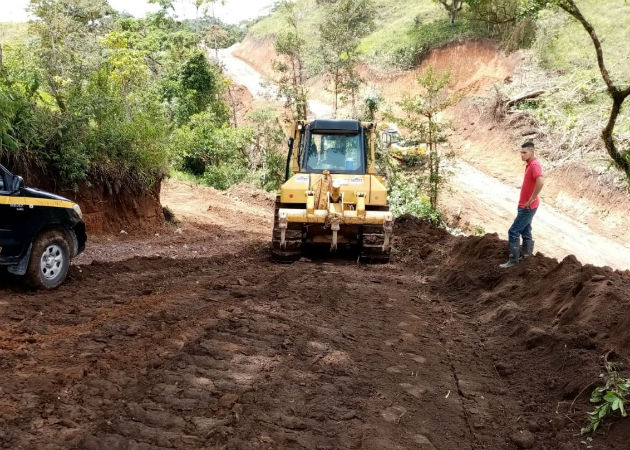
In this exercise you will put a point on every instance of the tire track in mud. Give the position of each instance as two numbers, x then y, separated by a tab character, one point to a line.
320	355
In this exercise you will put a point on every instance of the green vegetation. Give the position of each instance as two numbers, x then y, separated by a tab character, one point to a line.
420	118
610	400
89	96
406	197
209	151
403	31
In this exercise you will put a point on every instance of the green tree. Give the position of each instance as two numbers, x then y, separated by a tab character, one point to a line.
265	156
453	7
345	22
421	119
68	33
290	66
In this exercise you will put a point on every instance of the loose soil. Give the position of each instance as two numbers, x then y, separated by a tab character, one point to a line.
225	349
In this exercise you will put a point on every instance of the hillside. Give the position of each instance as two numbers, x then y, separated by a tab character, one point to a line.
566	126
562	60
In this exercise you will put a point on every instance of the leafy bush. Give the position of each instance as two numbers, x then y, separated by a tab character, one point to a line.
406	198
224	176
609	399
209	147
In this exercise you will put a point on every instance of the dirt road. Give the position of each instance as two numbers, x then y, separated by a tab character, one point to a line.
221	348
486	201
490	202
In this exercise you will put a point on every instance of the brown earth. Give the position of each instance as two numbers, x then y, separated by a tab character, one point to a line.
203	342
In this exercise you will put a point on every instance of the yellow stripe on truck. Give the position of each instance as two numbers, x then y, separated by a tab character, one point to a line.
34	201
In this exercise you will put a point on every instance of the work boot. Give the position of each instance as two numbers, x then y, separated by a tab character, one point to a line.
527	249
515	250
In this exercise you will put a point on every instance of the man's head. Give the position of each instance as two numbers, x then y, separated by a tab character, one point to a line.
527	150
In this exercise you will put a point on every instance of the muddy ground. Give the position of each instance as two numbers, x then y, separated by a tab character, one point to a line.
204	342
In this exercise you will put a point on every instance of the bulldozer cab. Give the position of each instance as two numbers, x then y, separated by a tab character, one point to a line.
338	149
336	146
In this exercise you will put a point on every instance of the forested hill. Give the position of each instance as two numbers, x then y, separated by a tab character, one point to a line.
91	96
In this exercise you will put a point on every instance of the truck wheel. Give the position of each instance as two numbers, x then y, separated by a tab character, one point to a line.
50	261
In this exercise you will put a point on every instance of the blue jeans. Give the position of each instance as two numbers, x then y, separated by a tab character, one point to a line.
522	226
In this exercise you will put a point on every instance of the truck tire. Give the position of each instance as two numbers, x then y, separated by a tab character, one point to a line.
50	261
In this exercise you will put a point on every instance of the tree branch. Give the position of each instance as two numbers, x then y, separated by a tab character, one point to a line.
522	97
570	7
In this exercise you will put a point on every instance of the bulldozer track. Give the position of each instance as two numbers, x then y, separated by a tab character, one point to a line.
292	249
372	241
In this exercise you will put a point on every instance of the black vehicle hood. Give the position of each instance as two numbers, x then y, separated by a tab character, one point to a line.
38	193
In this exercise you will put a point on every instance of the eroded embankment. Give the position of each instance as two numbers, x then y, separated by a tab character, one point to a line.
547	324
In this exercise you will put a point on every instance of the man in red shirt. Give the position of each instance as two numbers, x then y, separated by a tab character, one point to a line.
527	206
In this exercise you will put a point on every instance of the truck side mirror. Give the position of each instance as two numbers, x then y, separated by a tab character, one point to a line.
290	143
18	183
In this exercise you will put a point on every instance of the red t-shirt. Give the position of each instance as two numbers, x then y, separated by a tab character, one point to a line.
532	171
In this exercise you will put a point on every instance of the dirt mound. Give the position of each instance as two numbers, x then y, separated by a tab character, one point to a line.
564	297
547	323
252	195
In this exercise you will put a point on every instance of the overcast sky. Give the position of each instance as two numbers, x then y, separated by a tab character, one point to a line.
233	11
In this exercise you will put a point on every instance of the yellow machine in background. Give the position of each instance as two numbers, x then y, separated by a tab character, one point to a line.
334	197
392	139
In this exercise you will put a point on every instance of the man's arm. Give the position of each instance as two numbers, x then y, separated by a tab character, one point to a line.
540	181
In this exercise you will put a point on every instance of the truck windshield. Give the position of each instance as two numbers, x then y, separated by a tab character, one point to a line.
334	152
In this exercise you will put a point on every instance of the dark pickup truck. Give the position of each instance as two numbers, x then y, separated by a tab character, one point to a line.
40	232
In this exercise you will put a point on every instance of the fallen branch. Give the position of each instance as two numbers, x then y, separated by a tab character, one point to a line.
522	97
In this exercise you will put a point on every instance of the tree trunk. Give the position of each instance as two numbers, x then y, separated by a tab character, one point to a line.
618	95
619	159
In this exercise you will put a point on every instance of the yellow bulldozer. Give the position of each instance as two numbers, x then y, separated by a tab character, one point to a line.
332	196
399	150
